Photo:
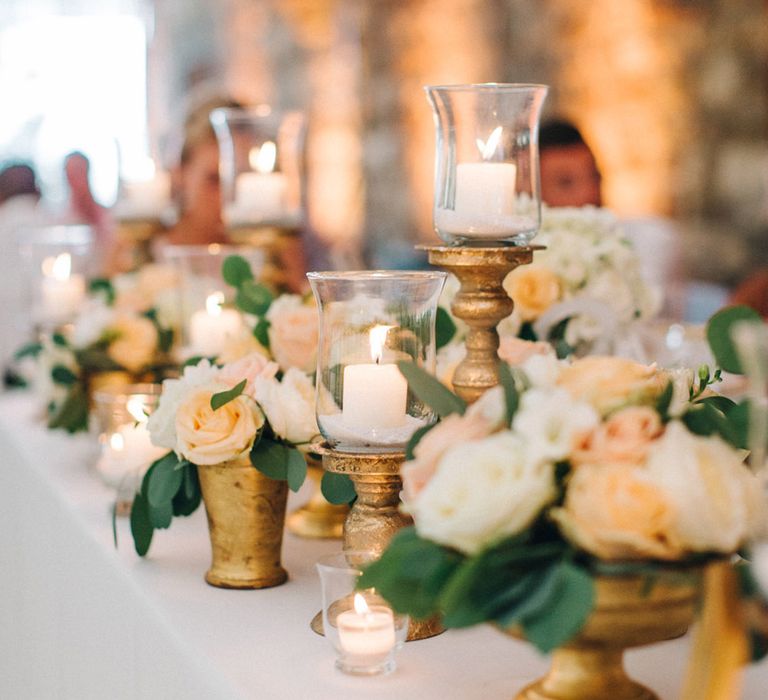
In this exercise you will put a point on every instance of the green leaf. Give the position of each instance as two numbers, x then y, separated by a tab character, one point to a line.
721	403
28	350
271	459
261	332
236	270
104	286
187	498
511	396
161	516
253	298
164	482
337	488
96	359
445	328
664	401
194	361
416	438
63	375
429	390
296	469
224	397
72	415
719	337
59	340
164	339
141	526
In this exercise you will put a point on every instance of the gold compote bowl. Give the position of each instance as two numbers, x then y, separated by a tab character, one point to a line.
630	611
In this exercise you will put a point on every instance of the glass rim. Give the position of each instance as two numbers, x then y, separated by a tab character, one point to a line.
488	87
222	115
109	393
373	275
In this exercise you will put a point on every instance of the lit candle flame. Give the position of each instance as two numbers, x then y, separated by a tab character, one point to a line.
263	159
117	442
377	338
135	406
361	607
213	303
59	267
488	148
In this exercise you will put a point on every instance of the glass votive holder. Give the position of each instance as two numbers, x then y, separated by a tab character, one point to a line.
360	624
127	452
487	187
207	318
368	322
57	264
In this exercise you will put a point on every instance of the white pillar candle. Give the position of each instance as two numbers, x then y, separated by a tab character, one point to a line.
210	328
62	292
145	199
375	394
129	450
366	634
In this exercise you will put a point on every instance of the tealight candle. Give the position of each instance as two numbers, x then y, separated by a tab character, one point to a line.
366	633
62	292
210	328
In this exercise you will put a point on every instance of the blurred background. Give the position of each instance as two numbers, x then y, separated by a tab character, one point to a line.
672	96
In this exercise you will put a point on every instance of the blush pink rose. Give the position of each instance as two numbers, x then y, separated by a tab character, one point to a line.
249	368
293	333
515	351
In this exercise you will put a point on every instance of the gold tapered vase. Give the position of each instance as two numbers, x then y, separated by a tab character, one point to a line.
246	514
317	519
481	303
626	615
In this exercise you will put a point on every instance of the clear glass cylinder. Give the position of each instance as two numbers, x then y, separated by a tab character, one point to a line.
126	450
207	318
487	187
260	166
368	322
360	624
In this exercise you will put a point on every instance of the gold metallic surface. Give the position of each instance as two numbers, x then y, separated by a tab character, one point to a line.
246	514
626	615
481	303
317	519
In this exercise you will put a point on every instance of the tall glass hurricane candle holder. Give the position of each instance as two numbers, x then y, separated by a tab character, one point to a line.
260	165
487	162
368	322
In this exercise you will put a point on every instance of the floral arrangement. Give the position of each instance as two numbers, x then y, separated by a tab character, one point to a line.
585	286
120	329
216	414
564	472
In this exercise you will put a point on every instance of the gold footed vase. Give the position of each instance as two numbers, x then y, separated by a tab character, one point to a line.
481	303
375	516
317	519
246	514
626	615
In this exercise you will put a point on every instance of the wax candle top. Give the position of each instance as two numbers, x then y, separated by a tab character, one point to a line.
213	303
58	268
263	159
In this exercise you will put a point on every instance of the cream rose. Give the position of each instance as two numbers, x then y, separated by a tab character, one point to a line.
136	342
623	439
534	289
616	512
293	332
609	383
289	405
709	487
482	491
239	346
205	436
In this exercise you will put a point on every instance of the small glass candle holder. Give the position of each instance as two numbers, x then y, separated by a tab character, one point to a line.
57	266
122	413
208	320
144	198
368	322
260	158
360	624
487	189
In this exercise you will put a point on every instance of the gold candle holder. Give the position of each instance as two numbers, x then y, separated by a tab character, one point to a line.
481	303
375	516
134	242
317	519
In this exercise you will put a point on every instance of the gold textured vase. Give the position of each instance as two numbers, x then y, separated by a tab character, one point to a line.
317	519
246	514
630	611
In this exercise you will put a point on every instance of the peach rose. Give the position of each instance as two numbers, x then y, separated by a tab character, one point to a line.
293	333
205	436
249	368
623	439
534	288
515	351
238	346
609	383
136	342
615	512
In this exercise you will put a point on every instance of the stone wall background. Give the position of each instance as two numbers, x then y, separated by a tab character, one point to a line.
671	94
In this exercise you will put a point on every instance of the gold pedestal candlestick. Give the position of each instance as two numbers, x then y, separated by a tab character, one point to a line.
318	519
281	246
375	516
481	303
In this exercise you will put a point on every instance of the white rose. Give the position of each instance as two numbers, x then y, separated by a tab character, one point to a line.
542	371
552	423
482	491
289	405
94	318
708	484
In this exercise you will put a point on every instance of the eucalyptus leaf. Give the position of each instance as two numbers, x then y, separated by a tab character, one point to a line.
163	482
416	438
187	498
445	328
141	526
28	350
271	459
253	298
63	375
60	340
236	270
72	415
721	403
665	401
719	337
96	359
337	489
261	332
296	469
511	395
224	397
429	390
102	285
161	515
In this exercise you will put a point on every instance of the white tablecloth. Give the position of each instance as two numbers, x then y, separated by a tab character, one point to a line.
81	620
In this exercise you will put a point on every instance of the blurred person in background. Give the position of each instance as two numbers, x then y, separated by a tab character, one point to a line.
753	291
